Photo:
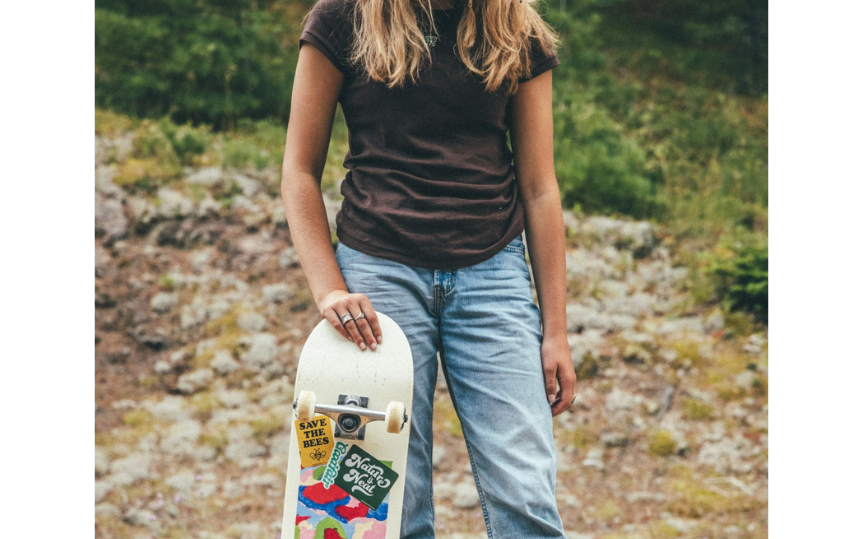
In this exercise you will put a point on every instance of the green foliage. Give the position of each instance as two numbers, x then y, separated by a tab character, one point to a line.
258	144
741	280
186	141
718	44
631	139
597	167
696	409
661	443
204	61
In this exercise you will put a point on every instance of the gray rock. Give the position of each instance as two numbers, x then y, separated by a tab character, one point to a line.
171	408
181	438
207	176
183	481
636	305
104	261
162	367
288	258
200	260
613	288
233	489
465	496
594	458
233	398
141	517
174	204
714	322
619	400
248	186
439	454
128	470
580	317
208	206
263	349
102	489
107	511
195	381
276	293
224	363
681	326
243	451
581	344
111	220
252	322
103	464
163	302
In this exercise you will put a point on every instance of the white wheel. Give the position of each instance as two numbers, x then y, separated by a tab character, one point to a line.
395	418
305	405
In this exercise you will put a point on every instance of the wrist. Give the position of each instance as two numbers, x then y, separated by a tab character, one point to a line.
328	297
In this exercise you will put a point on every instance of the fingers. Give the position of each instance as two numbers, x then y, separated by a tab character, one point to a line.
566	395
560	382
333	319
371	318
353	316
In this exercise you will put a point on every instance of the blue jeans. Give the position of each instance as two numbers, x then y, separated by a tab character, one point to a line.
484	323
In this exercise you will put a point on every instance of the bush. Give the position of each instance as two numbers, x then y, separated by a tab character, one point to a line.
204	61
741	280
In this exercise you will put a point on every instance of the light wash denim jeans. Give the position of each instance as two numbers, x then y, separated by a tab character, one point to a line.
484	323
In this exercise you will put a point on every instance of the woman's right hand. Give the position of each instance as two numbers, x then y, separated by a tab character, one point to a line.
362	326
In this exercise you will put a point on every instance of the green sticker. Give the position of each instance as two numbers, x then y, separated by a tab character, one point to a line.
332	468
365	477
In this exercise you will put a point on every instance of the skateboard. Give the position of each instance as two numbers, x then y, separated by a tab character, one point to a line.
349	442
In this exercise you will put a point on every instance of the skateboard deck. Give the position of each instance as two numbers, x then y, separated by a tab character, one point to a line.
349	441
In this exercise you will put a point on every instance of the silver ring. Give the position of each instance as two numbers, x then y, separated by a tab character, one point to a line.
346	317
360	316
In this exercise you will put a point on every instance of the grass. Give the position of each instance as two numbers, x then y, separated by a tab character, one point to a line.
696	497
584	437
696	410
661	444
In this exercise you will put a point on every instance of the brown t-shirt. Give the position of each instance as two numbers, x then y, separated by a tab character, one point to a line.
430	179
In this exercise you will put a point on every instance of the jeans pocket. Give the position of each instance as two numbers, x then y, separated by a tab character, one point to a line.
515	246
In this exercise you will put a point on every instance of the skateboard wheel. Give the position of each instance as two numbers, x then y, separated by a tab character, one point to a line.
306	405
395	418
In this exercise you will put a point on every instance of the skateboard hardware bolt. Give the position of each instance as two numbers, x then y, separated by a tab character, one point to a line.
349	423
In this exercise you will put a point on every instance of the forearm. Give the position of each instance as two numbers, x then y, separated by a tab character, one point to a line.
310	233
545	241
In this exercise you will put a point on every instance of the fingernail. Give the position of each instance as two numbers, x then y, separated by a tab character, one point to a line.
374	346
362	346
550	399
380	340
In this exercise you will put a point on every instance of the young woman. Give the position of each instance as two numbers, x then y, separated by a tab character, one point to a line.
435	204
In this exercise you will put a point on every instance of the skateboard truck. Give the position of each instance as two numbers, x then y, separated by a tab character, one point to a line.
351	414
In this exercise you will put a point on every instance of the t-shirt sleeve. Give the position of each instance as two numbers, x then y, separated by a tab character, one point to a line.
540	61
329	28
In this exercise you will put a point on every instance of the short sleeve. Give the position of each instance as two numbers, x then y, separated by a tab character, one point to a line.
540	60
329	28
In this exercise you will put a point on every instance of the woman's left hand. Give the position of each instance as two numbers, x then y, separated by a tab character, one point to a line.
560	375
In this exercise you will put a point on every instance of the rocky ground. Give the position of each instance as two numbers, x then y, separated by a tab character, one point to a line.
202	310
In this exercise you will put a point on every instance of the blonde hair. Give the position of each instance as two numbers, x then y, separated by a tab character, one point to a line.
492	40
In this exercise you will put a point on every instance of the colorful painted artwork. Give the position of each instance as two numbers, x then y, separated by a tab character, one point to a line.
331	513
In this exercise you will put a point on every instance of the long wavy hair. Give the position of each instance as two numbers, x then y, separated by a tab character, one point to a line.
492	39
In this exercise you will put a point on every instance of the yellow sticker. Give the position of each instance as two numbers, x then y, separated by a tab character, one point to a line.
315	439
